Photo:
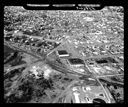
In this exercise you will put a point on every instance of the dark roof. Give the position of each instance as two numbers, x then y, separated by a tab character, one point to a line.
62	52
76	61
101	61
106	60
112	60
98	100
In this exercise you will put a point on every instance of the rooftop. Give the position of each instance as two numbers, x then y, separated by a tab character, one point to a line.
75	61
62	52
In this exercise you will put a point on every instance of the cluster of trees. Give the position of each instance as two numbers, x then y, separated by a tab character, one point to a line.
25	97
30	88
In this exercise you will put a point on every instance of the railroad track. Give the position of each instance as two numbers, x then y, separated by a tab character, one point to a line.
54	65
24	50
8	69
109	75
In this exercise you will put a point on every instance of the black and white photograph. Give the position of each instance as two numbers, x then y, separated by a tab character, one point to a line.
64	56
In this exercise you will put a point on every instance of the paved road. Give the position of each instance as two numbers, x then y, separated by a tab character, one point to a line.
8	57
112	81
104	91
109	75
40	38
53	64
102	56
23	50
62	43
66	90
59	68
15	67
41	57
99	44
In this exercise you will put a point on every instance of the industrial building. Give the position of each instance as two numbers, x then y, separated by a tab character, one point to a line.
62	53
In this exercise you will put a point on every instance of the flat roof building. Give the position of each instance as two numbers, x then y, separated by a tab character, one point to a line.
76	65
62	53
75	61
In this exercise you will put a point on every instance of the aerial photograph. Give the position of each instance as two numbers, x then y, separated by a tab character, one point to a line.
64	56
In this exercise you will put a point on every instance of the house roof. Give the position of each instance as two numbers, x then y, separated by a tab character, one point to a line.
62	52
76	61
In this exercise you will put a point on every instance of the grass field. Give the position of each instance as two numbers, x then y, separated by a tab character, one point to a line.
7	51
